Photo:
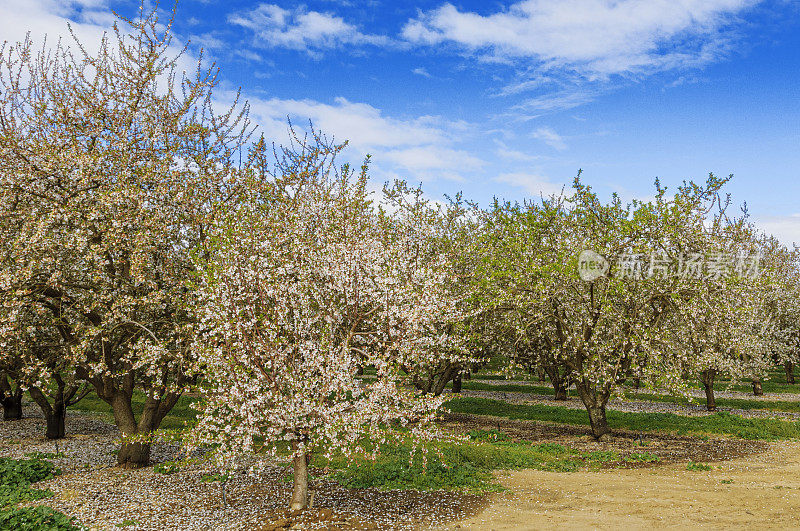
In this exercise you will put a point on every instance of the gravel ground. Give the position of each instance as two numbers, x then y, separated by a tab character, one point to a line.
102	496
629	405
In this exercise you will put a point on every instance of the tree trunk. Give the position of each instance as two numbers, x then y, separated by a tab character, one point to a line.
12	405
133	455
457	384
708	383
448	373
789	368
597	419
56	421
561	392
559	383
758	390
595	403
300	486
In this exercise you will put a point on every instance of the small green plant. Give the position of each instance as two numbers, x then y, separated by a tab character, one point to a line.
128	523
36	519
727	481
488	435
603	456
167	467
698	467
16	477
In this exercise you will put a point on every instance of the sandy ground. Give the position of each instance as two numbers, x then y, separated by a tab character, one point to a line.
759	491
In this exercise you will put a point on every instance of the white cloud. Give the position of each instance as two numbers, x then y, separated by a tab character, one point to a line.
504	152
533	184
785	228
594	37
557	101
550	137
300	29
421	72
88	18
424	147
432	157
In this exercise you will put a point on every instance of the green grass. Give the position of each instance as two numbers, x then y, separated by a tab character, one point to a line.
720	423
465	466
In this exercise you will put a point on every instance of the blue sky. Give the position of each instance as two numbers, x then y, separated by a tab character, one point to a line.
512	98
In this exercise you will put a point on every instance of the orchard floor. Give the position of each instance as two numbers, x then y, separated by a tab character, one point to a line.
761	487
103	497
758	492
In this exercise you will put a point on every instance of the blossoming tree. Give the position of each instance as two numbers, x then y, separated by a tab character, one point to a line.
303	285
110	164
595	332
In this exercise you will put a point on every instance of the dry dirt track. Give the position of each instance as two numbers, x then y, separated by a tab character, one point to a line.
764	494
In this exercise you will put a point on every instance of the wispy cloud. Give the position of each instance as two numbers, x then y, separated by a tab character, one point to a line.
558	101
596	38
424	147
504	152
532	183
550	137
421	72
300	29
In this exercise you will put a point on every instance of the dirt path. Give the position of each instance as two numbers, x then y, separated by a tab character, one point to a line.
761	491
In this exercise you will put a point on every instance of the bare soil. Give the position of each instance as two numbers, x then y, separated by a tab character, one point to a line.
751	485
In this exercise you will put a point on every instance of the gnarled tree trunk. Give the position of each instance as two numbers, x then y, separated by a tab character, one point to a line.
758	390
135	449
707	377
788	367
560	383
56	422
10	398
595	403
457	384
63	396
437	378
134	455
12	407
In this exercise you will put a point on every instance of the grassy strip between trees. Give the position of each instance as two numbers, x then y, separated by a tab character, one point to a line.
16	477
453	465
788	406
467	466
720	423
